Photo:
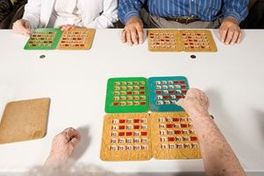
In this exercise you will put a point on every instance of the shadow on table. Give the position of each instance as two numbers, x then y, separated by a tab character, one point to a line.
84	144
259	115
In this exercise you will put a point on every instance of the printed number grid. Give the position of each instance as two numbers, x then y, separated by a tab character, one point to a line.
43	39
77	38
173	136
165	92
127	95
165	40
126	137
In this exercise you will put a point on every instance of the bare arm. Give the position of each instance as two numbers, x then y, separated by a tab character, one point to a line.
218	157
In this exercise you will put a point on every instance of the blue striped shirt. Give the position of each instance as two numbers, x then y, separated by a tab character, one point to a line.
206	10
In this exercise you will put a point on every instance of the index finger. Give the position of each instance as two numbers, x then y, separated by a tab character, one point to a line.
223	34
140	33
123	36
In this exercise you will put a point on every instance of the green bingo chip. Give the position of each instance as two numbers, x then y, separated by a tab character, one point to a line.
127	95
44	39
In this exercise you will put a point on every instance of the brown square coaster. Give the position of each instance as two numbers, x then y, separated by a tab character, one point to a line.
126	137
77	39
173	136
24	120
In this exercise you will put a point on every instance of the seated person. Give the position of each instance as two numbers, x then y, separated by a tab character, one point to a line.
255	18
6	7
182	14
218	157
66	14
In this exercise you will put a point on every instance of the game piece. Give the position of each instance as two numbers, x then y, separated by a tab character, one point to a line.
126	95
165	92
197	41
163	40
24	120
43	39
126	137
77	39
42	56
181	40
193	56
173	137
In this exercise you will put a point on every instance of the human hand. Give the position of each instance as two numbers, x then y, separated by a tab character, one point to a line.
63	145
68	27
230	32
195	103
22	27
133	31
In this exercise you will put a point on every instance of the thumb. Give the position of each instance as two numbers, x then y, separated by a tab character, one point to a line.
180	102
75	141
27	25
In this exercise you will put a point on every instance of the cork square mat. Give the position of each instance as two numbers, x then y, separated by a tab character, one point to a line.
24	120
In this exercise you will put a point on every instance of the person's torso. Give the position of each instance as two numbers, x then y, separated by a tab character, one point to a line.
88	10
207	10
65	12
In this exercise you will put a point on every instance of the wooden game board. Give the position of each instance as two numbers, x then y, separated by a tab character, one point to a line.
49	38
158	94
43	39
181	40
143	136
24	120
77	39
126	95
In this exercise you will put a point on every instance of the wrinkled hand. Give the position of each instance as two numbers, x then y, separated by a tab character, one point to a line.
22	27
133	32
68	27
230	32
63	146
195	103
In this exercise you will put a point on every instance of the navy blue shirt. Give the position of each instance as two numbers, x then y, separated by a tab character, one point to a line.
206	10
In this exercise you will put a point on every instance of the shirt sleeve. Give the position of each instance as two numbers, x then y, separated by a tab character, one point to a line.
32	13
108	16
129	8
236	9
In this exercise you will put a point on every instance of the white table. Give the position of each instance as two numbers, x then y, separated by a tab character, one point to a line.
76	83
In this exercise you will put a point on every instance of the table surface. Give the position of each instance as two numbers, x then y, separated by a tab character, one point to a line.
76	83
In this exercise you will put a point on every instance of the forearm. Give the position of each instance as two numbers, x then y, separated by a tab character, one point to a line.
129	8
218	157
232	8
32	12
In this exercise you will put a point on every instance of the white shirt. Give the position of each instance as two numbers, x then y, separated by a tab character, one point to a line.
65	12
93	13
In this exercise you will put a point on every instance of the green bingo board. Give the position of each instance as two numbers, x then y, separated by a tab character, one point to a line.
43	39
127	95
